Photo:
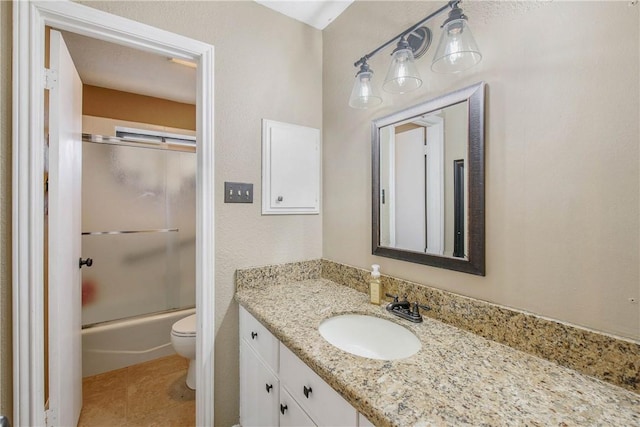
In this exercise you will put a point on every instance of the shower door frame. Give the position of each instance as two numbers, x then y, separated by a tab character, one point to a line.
29	21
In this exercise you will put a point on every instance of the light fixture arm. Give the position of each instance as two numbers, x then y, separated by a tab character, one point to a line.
451	4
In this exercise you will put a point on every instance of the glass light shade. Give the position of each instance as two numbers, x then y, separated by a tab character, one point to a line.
363	95
457	50
402	76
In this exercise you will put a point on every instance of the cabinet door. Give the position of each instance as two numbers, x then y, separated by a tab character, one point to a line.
259	390
290	169
291	414
321	402
259	338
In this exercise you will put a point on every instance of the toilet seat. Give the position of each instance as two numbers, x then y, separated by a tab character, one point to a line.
185	327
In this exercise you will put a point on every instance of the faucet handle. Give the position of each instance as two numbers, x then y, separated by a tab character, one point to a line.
417	306
395	297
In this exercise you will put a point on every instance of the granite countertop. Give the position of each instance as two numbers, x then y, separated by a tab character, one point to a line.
457	378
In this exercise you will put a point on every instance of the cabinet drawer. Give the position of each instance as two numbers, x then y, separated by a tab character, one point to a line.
259	338
259	390
321	402
291	414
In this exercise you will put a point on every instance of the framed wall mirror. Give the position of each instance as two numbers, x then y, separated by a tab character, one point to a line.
428	182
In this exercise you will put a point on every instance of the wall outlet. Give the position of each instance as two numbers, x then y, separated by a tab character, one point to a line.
238	192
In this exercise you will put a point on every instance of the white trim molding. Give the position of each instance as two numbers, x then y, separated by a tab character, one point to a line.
30	19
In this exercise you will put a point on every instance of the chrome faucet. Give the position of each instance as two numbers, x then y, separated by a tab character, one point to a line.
403	309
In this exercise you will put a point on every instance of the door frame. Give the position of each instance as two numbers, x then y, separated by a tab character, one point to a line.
29	21
434	181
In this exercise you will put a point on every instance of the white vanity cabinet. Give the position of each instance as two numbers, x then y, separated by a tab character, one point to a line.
259	384
260	339
291	414
259	390
316	397
279	389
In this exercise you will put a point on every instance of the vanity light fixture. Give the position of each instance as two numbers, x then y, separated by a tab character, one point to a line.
403	75
457	51
363	94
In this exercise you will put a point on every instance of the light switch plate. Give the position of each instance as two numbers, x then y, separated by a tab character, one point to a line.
238	192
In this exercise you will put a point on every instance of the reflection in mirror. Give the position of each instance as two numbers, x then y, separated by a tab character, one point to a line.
419	204
428	178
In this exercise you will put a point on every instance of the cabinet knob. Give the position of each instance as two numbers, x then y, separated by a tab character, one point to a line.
269	387
254	335
306	390
279	199
88	262
283	408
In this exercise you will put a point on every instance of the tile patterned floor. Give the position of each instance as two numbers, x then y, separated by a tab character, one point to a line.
149	394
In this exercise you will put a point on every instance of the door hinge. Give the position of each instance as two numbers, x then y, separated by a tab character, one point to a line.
50	78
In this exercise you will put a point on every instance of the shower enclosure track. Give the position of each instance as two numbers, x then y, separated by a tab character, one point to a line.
141	142
158	230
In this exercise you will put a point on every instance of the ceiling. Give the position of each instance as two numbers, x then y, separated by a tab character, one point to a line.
317	13
121	68
113	66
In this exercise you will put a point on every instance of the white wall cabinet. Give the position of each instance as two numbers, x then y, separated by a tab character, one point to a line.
290	169
299	397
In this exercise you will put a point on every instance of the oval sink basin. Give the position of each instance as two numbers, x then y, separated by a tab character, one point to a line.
369	336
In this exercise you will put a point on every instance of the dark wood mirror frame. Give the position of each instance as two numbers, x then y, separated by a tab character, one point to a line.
475	263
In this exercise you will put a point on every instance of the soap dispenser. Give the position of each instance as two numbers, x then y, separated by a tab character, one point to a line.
375	288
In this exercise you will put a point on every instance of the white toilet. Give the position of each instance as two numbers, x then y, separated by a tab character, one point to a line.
183	338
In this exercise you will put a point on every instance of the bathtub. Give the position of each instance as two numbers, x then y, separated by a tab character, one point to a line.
118	344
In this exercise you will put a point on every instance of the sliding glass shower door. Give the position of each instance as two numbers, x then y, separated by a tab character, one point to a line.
138	222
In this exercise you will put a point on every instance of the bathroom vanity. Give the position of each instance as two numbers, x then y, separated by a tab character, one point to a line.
456	378
277	388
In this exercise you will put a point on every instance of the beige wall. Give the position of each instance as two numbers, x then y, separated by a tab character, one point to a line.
115	104
562	153
455	135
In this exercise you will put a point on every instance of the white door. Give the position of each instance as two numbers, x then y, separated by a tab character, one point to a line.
65	175
435	186
410	224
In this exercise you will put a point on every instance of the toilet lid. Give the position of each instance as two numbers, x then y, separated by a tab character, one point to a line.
186	326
